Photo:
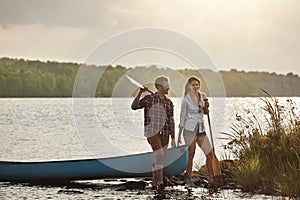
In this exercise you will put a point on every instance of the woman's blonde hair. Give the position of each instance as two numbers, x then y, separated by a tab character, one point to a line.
188	83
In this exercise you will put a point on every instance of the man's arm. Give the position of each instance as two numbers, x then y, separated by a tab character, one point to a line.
172	131
172	127
136	102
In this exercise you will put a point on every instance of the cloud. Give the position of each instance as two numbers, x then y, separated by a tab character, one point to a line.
57	43
235	33
40	12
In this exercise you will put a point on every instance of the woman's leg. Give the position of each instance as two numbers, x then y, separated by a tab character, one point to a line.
191	142
204	144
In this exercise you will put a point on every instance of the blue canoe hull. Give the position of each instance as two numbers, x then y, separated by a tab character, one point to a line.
137	165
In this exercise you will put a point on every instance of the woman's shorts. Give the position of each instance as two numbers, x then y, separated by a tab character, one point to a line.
193	134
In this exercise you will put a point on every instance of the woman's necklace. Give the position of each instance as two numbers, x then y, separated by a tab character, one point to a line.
195	97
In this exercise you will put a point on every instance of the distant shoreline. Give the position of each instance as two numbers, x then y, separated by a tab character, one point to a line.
37	79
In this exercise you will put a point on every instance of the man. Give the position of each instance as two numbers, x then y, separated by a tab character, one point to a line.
158	125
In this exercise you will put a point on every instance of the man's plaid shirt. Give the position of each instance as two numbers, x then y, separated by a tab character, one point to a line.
157	115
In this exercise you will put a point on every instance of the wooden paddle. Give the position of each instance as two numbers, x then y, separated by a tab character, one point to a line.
217	171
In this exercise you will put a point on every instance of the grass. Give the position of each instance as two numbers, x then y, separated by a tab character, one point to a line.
288	182
247	174
268	159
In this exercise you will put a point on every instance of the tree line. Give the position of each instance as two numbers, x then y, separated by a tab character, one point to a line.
28	78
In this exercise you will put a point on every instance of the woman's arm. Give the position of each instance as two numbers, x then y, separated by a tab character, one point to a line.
179	136
183	113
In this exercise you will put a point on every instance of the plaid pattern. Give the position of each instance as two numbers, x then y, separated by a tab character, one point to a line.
156	115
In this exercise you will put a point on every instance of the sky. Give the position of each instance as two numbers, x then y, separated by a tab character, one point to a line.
250	35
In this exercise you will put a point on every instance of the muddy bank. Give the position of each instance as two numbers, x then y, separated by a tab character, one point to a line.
141	189
137	188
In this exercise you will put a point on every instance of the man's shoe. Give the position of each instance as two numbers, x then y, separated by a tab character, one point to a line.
160	188
166	181
154	187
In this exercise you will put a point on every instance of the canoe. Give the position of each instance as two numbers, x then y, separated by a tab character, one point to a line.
136	165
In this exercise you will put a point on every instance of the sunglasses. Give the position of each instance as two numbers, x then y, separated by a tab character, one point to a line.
199	109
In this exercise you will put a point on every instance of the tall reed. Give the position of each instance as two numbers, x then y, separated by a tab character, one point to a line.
269	158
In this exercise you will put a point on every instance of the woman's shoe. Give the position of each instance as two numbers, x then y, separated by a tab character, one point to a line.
189	183
211	183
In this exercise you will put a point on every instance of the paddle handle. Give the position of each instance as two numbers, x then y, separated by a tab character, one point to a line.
209	125
210	131
145	88
148	90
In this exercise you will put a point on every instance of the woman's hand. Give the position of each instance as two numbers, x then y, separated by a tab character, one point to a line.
206	105
179	136
178	141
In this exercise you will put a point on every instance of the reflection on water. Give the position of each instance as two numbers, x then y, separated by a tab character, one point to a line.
107	190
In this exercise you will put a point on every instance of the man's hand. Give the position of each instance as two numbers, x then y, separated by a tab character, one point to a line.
142	90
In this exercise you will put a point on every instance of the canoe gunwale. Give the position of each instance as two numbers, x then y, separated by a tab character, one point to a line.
88	159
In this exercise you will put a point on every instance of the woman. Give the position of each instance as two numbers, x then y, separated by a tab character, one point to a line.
193	108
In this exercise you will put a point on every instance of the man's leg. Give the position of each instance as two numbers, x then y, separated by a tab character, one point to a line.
154	176
158	153
164	142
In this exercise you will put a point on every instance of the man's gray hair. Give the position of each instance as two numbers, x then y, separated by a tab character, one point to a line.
159	80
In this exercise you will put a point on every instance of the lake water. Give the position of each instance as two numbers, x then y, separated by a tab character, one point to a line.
40	129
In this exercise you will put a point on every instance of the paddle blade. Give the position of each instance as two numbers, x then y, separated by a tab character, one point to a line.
134	82
217	171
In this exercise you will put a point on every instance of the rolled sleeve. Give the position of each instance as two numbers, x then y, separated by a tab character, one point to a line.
183	113
138	104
